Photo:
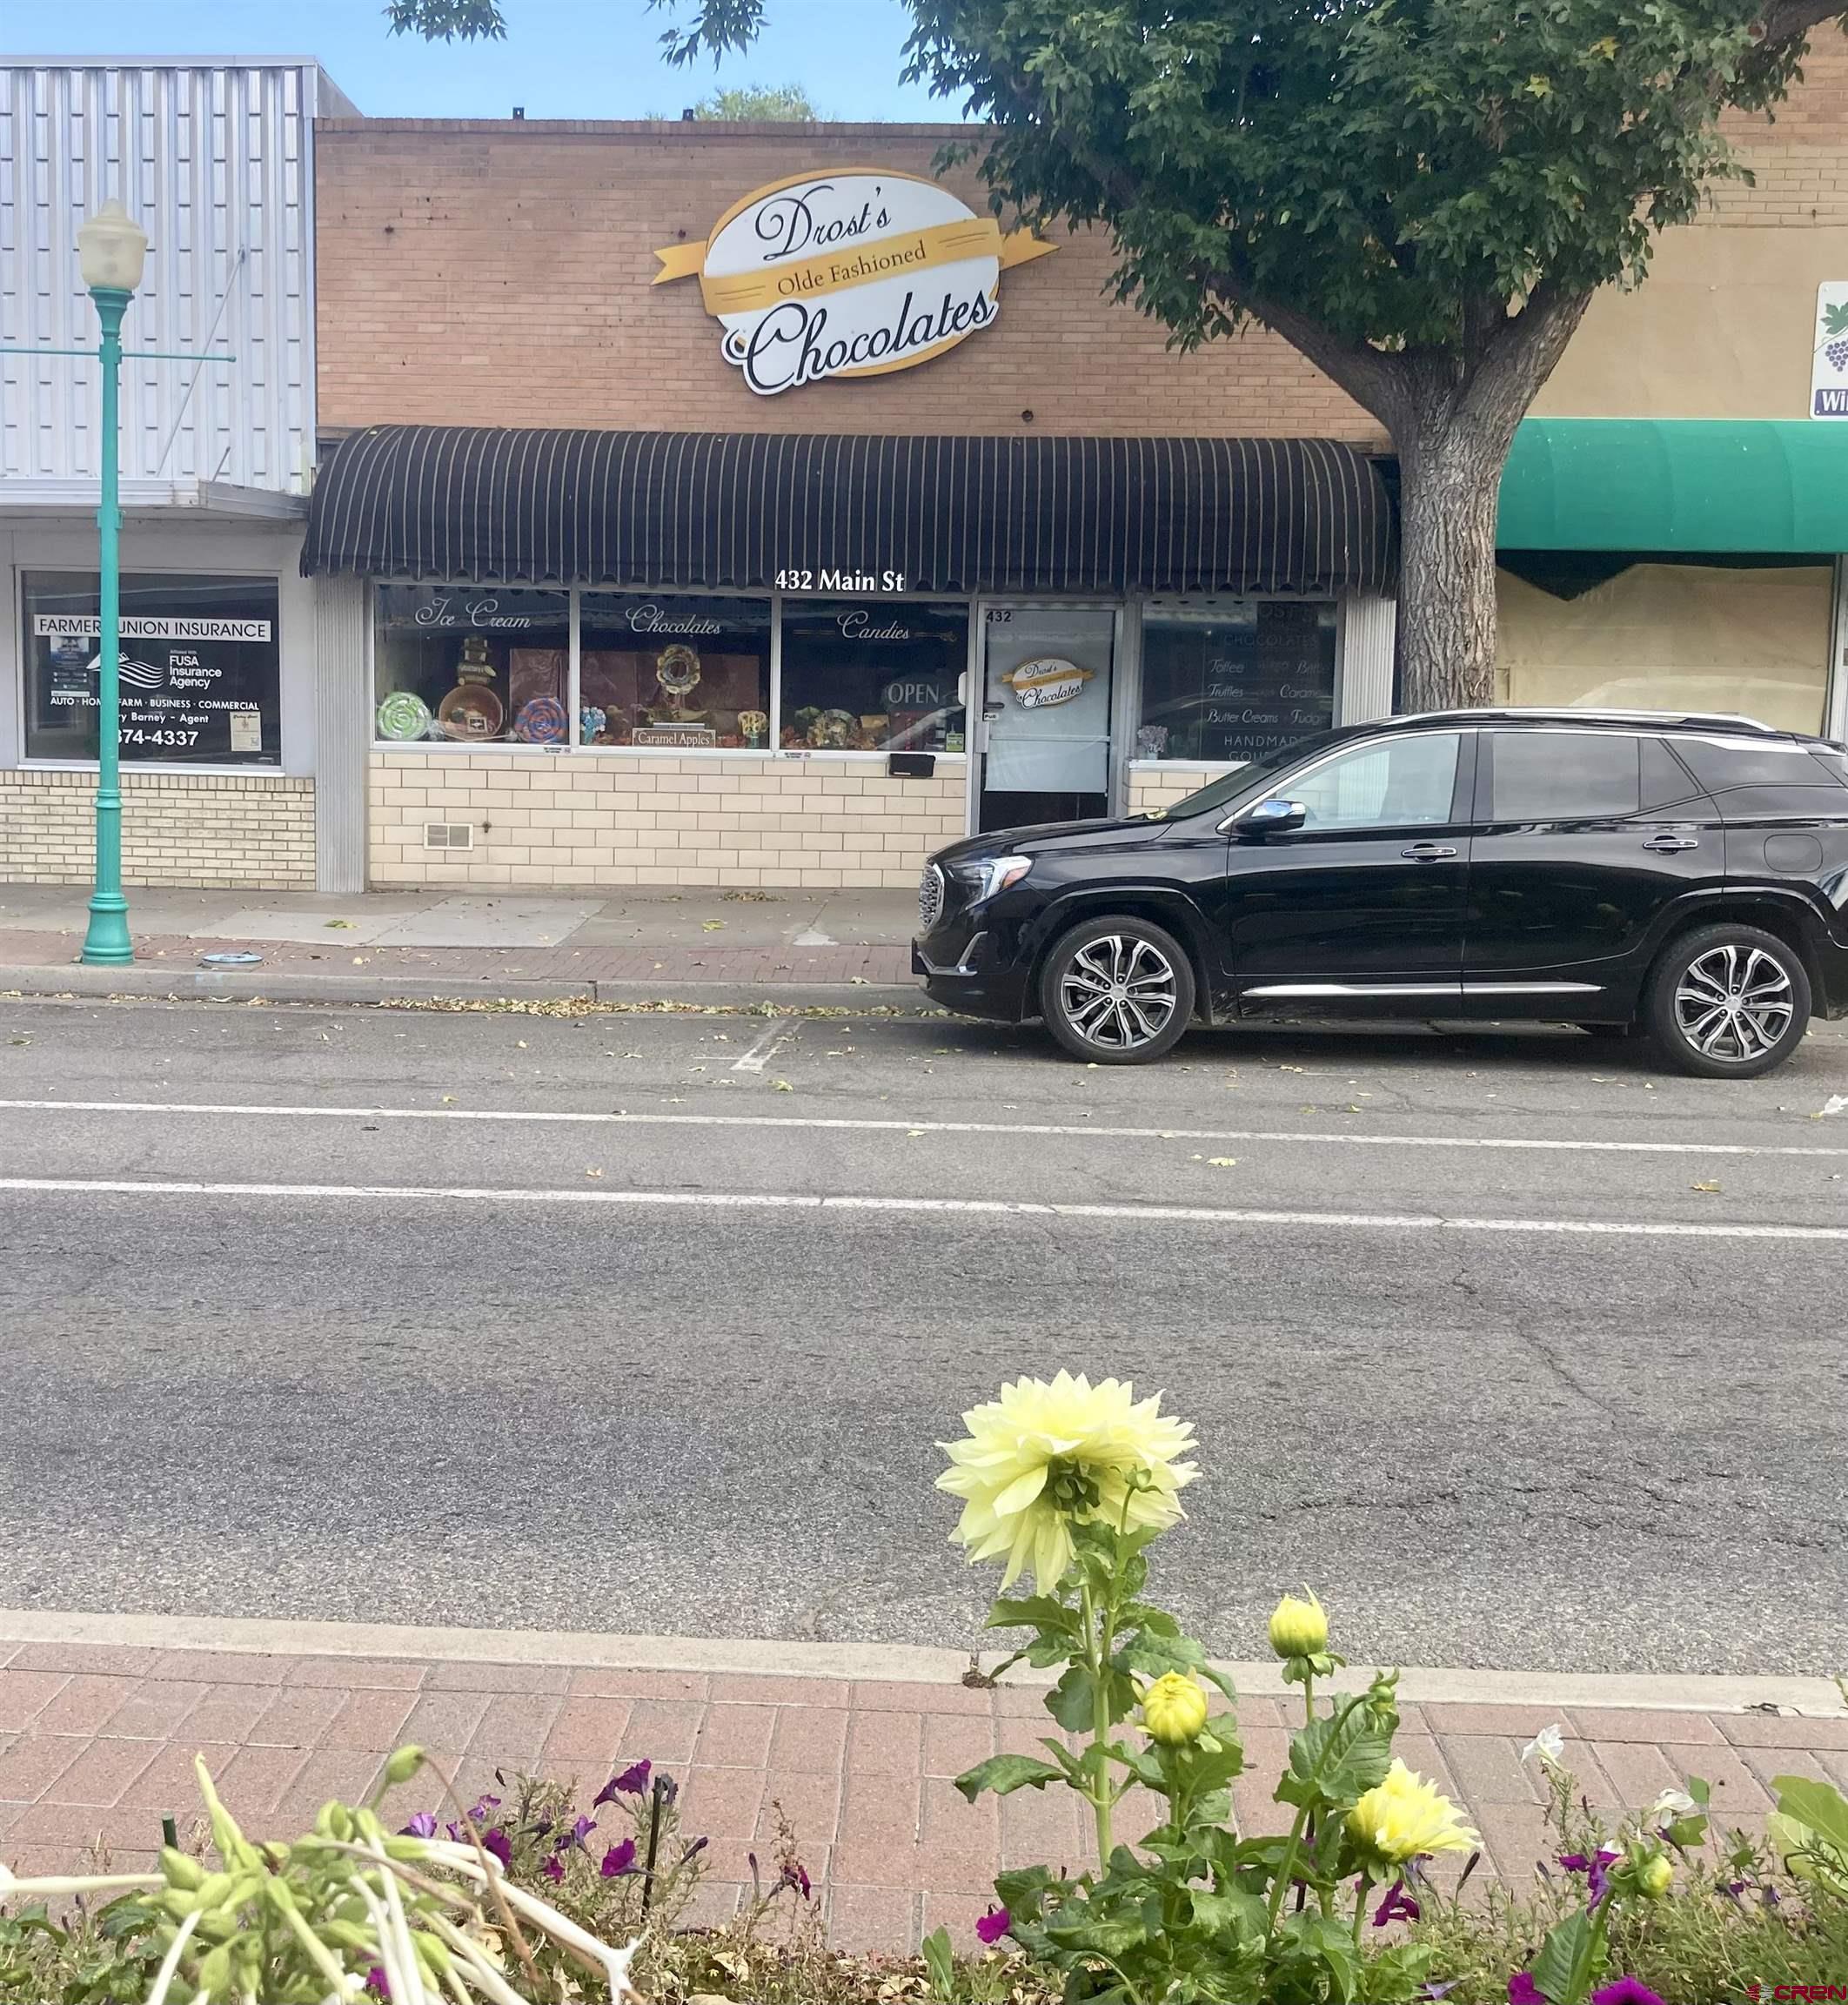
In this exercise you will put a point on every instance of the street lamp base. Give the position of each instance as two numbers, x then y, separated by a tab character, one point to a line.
107	944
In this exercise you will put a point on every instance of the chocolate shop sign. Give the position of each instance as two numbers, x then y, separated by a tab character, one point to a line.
853	273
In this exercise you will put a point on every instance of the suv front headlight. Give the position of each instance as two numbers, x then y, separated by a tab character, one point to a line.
990	875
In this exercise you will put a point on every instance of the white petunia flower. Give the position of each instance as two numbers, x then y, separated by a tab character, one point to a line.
1549	1744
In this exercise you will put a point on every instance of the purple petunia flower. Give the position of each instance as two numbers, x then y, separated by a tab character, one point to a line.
619	1859
991	1926
796	1874
578	1832
421	1826
1398	1906
632	1782
693	1850
1625	1991
376	1982
1521	1990
482	1804
554	1869
1596	1869
498	1843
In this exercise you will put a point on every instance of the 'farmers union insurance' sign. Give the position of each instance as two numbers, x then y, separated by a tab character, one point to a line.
853	273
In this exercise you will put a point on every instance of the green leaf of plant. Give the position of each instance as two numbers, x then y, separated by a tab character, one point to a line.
1001	1774
1022	1891
1335	1760
1569	1960
1240	1916
940	1963
1820	1804
1073	1700
1034	1611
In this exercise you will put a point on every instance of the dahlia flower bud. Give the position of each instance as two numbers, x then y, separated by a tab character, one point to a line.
1299	1628
1174	1710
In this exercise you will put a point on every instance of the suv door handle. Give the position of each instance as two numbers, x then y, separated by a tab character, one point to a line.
1666	845
1427	852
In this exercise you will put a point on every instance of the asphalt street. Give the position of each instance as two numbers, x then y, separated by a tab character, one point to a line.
1520	1350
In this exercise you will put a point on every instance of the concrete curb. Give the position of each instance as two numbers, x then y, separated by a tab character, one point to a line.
176	983
1815	1698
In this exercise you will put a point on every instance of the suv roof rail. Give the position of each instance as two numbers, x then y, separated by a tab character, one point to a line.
1692	720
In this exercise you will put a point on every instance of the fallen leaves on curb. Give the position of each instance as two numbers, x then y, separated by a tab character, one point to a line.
1709	1188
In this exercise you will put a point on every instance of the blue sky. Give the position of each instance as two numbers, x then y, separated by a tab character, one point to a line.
562	59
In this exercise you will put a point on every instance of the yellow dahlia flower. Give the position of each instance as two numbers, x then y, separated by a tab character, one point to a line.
1042	1458
1299	1628
1404	1817
1174	1710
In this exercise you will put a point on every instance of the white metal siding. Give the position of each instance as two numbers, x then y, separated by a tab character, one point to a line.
215	161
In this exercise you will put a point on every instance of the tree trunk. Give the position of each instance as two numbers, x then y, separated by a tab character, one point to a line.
1450	483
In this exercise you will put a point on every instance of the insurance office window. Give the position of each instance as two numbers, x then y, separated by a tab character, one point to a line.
1237	680
472	665
200	668
874	675
676	673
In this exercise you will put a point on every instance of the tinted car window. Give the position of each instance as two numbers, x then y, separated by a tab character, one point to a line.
1665	781
1719	763
1563	776
1394	783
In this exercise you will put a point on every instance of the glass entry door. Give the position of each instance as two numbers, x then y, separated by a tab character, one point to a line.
1046	716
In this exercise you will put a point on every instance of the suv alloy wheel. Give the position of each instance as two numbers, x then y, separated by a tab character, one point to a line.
1117	991
1729	1002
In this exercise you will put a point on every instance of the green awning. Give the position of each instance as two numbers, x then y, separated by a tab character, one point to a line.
1682	483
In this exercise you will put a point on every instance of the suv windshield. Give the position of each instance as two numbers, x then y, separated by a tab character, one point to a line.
1232	788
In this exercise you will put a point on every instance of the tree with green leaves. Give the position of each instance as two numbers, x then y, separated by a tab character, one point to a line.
777	103
1420	196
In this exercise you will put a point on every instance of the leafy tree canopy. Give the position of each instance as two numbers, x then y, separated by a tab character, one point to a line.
782	103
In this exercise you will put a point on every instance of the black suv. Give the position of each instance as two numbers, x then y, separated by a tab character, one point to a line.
1611	869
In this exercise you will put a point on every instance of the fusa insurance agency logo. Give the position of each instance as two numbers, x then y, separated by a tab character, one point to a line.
854	273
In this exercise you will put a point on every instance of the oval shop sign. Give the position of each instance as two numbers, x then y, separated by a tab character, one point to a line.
854	273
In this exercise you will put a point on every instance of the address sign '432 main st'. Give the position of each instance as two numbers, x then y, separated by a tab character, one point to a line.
852	273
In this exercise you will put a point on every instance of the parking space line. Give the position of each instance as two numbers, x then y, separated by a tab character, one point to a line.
1087	1131
981	1207
763	1049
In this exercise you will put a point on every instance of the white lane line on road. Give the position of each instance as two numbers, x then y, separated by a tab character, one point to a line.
982	1207
1085	1128
758	1057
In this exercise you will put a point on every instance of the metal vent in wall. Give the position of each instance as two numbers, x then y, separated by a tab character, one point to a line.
449	835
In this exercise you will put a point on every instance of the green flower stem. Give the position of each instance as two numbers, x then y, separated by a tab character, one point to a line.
1308	1697
1360	1903
1097	1657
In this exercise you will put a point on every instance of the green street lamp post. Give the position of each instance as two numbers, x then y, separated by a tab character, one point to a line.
111	248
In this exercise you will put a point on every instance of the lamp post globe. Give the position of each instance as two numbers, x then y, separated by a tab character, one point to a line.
111	249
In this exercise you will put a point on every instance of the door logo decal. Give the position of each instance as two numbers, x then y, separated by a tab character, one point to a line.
1051	680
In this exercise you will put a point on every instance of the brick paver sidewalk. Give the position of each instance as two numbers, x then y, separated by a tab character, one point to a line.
97	1743
478	967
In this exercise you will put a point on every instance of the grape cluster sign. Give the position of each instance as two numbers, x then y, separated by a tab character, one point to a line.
1829	362
855	272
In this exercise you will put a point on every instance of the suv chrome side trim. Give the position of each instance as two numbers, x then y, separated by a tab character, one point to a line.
1302	989
1533	988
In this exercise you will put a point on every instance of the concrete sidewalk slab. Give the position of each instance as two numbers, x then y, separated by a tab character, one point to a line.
97	1741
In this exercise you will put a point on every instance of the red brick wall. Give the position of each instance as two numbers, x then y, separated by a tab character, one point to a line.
495	274
498	273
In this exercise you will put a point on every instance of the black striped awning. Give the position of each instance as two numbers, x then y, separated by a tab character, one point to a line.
951	514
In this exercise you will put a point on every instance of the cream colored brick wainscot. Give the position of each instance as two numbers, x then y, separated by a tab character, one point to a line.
637	818
1153	787
217	831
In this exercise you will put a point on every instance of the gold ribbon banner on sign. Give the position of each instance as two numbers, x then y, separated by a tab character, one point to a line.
916	250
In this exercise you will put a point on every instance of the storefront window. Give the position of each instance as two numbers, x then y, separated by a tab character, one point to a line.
686	673
471	664
200	681
1236	681
873	676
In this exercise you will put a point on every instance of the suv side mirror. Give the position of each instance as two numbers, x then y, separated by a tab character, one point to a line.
1273	818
